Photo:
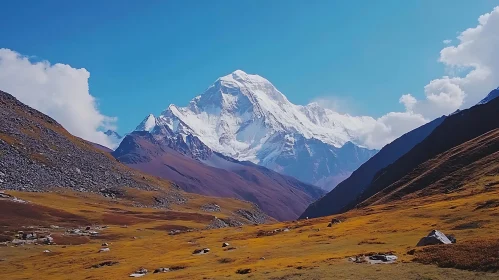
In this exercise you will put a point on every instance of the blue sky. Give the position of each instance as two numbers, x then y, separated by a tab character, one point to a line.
144	55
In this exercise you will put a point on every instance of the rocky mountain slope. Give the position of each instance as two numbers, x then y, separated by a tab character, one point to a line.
245	117
447	148
196	168
432	139
447	172
38	155
493	94
348	190
404	154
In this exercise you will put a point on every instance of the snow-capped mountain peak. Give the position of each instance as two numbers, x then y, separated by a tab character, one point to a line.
147	124
246	117
240	112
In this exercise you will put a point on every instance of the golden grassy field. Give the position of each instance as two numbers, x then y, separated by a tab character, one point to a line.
309	250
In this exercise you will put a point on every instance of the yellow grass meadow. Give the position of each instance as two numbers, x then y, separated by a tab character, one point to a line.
309	250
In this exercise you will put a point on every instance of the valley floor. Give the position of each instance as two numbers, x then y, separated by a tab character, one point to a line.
308	250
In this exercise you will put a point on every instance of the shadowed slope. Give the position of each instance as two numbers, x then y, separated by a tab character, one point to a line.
348	190
448	171
280	196
456	130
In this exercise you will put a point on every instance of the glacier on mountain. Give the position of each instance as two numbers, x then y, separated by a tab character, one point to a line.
245	117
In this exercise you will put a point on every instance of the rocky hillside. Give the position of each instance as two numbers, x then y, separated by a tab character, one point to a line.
37	154
196	168
447	172
348	190
404	155
464	140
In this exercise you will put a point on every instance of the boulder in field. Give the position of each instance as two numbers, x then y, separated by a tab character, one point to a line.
435	237
382	258
335	221
161	270
243	271
225	244
139	273
201	251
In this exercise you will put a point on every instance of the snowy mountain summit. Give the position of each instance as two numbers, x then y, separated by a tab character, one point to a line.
245	117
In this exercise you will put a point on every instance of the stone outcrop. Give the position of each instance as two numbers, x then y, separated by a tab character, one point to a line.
435	237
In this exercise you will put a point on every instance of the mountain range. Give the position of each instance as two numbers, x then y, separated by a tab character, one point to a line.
245	117
64	196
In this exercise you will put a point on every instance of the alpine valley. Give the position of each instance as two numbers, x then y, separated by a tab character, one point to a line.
130	147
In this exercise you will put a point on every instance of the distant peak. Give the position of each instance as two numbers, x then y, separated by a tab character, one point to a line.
493	94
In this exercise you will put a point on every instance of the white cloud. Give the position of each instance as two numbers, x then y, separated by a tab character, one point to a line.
57	90
477	57
447	42
391	126
409	101
474	65
335	103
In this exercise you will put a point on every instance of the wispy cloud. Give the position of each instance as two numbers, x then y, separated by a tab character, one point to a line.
338	104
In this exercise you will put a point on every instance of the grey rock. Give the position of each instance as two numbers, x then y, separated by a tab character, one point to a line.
382	258
18	242
211	207
255	215
161	270
435	237
335	221
452	238
201	251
